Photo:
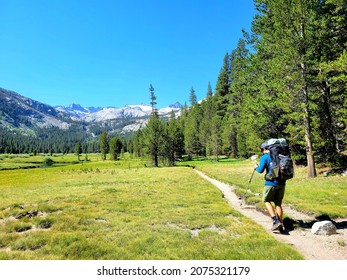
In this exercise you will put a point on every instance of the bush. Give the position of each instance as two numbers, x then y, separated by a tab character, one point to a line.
48	162
44	224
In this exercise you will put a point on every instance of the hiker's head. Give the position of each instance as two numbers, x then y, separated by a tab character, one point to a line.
263	147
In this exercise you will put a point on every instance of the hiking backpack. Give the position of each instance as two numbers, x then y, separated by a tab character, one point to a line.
281	163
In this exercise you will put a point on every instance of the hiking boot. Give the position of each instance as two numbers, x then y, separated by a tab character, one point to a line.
276	225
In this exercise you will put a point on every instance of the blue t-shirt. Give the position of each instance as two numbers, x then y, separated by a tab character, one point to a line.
264	164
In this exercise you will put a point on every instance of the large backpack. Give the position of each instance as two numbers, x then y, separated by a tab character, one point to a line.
281	162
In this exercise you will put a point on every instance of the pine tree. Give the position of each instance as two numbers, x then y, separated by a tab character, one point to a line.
208	108
223	87
238	81
116	146
192	97
153	99
78	149
138	143
174	141
153	135
191	132
154	132
104	144
215	139
209	92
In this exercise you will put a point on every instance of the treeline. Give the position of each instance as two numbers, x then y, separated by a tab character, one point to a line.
287	78
54	140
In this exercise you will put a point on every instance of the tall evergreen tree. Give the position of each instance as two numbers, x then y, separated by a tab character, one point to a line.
215	138
78	149
209	92
175	140
191	132
104	144
116	146
222	87
138	143
153	99
238	81
208	108
154	138
192	97
154	132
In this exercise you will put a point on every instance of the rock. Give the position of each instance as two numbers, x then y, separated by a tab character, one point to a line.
323	228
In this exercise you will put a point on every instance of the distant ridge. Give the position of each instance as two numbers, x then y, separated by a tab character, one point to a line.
25	115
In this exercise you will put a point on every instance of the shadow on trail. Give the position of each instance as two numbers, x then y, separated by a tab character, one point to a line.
291	224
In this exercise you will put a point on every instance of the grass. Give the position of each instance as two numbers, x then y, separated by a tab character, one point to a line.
316	196
124	210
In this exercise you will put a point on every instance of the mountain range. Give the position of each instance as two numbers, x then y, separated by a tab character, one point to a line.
25	115
92	114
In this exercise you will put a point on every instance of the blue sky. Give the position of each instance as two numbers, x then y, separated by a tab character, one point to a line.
107	53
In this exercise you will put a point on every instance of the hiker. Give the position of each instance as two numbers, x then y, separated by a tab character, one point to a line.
273	189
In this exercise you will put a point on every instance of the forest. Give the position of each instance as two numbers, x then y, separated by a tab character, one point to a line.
285	79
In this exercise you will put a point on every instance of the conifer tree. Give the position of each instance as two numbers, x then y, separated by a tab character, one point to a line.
191	132
153	99
154	138
223	87
104	144
138	143
154	132
208	108
215	139
175	140
209	92
78	149
192	97
232	121
116	146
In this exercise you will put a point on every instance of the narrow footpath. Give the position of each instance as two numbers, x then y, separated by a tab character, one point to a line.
311	246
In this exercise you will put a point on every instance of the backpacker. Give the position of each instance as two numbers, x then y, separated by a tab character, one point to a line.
281	163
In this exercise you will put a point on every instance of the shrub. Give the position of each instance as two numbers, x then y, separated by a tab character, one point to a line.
48	162
45	223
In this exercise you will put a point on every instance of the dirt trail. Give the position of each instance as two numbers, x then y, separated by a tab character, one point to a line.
311	246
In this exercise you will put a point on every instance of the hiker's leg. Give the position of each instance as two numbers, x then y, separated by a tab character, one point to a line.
279	212
270	209
278	201
268	196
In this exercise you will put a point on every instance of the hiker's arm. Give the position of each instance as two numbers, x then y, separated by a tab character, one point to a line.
262	165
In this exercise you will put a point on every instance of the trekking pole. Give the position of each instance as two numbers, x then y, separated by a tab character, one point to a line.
250	179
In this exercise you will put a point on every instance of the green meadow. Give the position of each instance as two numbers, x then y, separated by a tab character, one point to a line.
126	210
323	195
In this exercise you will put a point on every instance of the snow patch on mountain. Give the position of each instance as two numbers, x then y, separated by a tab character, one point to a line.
92	114
76	110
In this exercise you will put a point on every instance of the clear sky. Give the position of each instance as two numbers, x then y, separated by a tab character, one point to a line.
108	52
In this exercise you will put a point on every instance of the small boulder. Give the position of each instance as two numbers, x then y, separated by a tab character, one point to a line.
323	228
